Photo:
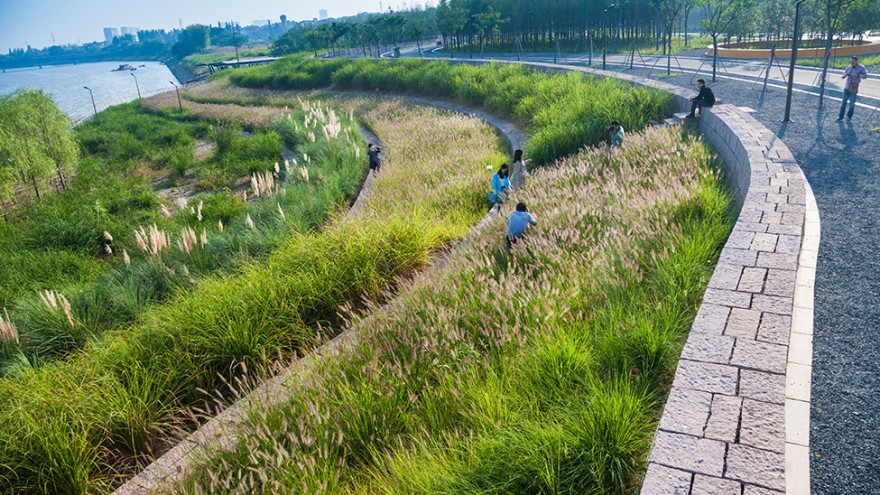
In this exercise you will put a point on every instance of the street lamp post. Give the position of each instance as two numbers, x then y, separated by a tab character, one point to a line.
604	32
177	89
136	85
794	48
94	107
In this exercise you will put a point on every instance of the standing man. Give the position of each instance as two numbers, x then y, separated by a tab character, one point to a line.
853	75
705	98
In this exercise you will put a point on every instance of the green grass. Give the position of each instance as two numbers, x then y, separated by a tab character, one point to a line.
566	111
538	371
59	243
209	58
69	426
840	62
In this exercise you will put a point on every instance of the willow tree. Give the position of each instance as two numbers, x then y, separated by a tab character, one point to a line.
37	141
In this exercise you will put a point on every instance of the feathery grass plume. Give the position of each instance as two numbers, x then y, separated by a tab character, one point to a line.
164	211
220	226
280	211
57	302
108	237
204	238
187	240
287	167
263	184
199	210
277	169
304	173
152	241
108	250
8	332
311	137
125	258
244	195
249	222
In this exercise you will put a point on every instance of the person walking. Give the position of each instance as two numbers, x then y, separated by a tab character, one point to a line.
853	74
518	224
500	185
617	133
705	98
518	172
375	160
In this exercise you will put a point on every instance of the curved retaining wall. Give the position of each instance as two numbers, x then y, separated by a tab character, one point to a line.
737	418
733	51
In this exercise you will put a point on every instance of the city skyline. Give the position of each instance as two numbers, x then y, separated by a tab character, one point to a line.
43	23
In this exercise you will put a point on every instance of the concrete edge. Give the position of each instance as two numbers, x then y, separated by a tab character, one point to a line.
220	431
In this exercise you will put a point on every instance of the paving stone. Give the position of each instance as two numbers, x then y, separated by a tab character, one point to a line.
789	244
710	319
777	260
774	328
707	485
662	480
785	229
723	422
772	304
780	282
744	257
740	239
763	425
730	298
793	218
698	455
708	377
760	356
752	226
763	386
752	279
755	466
726	277
772	218
686	411
764	242
743	323
708	348
757	490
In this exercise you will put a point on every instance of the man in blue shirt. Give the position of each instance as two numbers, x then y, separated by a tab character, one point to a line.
518	223
854	75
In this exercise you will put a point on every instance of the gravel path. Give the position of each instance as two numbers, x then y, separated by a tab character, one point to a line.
842	163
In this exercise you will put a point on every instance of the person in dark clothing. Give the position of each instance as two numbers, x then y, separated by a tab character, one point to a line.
704	99
373	153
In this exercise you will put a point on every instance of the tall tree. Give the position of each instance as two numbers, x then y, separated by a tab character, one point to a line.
669	11
835	11
719	15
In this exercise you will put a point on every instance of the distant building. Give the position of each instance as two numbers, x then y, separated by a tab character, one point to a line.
110	33
261	22
322	14
133	31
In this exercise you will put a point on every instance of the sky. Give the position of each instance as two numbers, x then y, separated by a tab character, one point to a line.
34	22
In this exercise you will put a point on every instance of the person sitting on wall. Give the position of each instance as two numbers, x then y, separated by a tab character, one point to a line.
518	224
704	99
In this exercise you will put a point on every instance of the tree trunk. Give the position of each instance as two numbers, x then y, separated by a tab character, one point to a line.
828	41
36	187
714	55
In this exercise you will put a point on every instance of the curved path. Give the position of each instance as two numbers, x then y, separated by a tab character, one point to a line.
220	431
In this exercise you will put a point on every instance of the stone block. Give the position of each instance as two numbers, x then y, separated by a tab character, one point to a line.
708	348
772	218
740	239
723	422
764	242
684	452
774	328
743	257
760	356
772	304
711	319
726	277
755	466
763	425
686	411
787	208
662	480
793	219
707	485
757	490
785	229
763	386
743	323
788	244
752	226
752	279
729	298
708	377
777	260
780	283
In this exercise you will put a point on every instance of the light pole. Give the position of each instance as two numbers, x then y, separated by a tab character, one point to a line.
179	104
94	107
794	47
136	85
604	33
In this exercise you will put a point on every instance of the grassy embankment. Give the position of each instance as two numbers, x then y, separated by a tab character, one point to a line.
536	371
72	426
82	245
840	62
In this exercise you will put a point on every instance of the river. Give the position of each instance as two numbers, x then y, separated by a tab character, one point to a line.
65	84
